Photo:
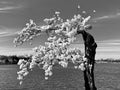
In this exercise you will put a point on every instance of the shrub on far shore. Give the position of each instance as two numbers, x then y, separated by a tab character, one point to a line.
108	60
13	59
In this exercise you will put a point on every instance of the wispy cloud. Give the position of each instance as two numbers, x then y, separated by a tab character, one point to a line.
5	31
112	51
15	51
9	8
2	33
6	34
105	49
108	49
6	6
111	16
110	42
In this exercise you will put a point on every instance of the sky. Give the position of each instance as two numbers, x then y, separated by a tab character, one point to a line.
14	14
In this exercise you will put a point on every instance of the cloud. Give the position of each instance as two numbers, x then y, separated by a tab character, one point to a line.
109	45
6	34
15	51
108	49
6	6
5	31
103	17
107	17
105	49
108	52
10	8
111	42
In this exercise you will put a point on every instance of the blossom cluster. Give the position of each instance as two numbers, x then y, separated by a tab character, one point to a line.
56	49
28	33
56	24
23	66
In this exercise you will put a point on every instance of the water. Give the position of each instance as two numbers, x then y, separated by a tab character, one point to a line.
62	79
107	77
8	77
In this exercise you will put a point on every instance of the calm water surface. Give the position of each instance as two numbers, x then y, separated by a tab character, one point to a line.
107	78
62	79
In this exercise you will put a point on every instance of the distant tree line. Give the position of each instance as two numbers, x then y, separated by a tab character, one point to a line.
12	59
110	60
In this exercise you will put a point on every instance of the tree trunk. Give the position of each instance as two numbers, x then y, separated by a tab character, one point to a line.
89	78
90	51
89	71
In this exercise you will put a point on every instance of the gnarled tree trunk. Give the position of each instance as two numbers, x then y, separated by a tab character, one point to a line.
89	78
90	51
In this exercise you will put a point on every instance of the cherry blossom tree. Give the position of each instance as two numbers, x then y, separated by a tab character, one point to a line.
62	33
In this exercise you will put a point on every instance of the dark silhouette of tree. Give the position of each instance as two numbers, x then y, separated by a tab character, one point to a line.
90	51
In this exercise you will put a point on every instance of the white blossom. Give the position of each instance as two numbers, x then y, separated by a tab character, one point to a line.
56	49
94	11
46	78
63	63
21	82
82	66
20	77
75	67
79	6
20	61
